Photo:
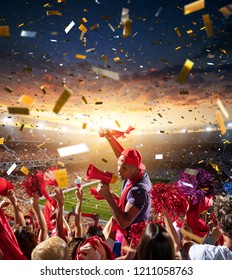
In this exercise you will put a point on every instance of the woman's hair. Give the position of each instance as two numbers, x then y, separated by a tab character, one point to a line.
223	212
155	244
53	248
73	246
26	240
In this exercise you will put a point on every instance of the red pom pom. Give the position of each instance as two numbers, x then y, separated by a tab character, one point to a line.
34	183
136	231
170	197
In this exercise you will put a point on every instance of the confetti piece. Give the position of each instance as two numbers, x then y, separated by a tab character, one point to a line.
177	48
208	25
8	139
90	50
40	145
4	31
84	20
84	99
111	27
158	12
159	156
72	150
220	122
94	26
104	160
53	13
62	100
21	127
222	108
127	28
98	103
18	110
226	10
116	58
117	123
124	15
199	162
24	170
110	74
60	163
177	31
8	89
43	89
82	28
11	169
194	6
185	71
191	171
69	27
189	31
84	125
80	56
27	100
61	176
29	34
20	25
2	141
184	92
105	59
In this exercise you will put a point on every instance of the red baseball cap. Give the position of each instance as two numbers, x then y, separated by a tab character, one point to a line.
132	157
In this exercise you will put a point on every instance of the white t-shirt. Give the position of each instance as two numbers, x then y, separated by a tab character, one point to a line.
209	252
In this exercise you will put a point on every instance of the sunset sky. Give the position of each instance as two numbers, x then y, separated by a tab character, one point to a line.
146	94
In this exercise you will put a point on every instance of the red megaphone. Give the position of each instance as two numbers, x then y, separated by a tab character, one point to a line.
105	176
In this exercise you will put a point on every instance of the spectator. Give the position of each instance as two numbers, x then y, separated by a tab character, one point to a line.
223	213
53	248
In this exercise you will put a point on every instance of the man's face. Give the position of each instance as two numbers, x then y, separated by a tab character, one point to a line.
126	171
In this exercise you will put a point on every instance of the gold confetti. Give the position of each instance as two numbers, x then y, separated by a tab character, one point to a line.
83	28
220	122
117	123
185	71
4	31
84	20
226	10
98	103
127	28
62	100
60	163
53	13
43	89
24	170
21	127
8	139
177	48
18	110
223	51
20	25
184	92
199	162
40	145
8	89
116	58
61	178
177	31
84	99
222	108
208	25
2	141
27	100
84	125
107	73
80	56
104	160
94	26
189	31
194	6
105	59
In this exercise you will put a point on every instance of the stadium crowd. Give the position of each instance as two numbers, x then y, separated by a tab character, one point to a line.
188	217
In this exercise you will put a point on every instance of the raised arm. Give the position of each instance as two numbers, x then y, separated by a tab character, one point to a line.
18	214
43	233
78	224
59	196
